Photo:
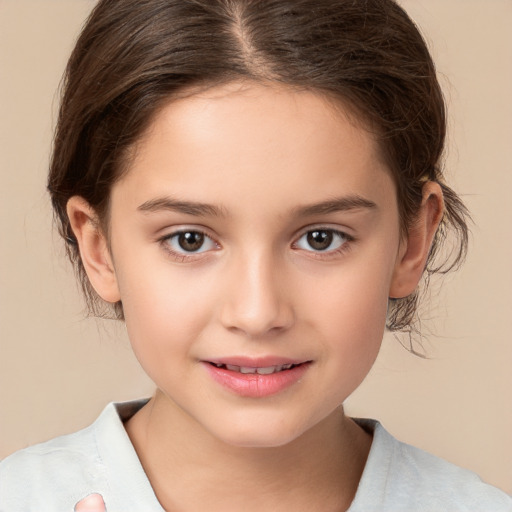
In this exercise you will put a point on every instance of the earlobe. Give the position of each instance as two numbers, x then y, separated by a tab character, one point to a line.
414	249
94	250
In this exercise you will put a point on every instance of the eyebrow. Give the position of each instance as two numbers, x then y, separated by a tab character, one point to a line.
347	203
186	207
339	204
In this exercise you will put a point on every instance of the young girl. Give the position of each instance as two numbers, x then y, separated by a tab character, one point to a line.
255	188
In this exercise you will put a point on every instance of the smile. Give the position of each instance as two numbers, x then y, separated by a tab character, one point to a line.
267	370
257	381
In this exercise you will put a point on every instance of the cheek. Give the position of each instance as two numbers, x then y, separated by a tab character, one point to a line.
355	325
165	310
354	298
351	308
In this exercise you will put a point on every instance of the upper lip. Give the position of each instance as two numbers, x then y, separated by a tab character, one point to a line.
255	362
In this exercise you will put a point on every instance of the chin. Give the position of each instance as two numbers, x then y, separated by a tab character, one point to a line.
260	433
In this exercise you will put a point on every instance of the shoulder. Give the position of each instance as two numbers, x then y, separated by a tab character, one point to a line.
31	476
57	474
400	477
99	459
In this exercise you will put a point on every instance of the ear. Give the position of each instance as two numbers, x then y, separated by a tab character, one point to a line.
94	250
414	248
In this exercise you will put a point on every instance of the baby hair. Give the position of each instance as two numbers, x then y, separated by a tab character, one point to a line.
134	56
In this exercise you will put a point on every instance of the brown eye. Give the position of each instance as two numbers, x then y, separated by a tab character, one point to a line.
191	241
320	240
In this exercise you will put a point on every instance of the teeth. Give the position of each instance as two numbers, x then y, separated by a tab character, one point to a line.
267	370
246	369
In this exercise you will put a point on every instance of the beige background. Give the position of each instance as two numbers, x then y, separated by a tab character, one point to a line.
57	369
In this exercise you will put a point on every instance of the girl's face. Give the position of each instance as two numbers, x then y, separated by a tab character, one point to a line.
256	227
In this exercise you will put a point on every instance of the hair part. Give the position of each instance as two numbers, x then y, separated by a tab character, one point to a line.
134	56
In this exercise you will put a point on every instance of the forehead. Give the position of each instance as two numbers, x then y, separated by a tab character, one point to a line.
255	139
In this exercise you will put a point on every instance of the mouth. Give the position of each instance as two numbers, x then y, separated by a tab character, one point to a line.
256	378
263	370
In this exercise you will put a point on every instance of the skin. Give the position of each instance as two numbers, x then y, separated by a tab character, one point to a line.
91	503
260	156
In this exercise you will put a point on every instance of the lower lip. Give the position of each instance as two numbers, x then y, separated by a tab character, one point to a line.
255	385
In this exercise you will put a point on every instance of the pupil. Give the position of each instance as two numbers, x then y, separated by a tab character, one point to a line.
320	240
191	241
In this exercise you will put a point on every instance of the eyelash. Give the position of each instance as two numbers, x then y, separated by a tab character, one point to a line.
185	256
345	242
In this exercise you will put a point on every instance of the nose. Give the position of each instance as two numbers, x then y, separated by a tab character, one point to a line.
256	301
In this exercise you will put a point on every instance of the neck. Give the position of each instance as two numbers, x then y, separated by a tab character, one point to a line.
189	469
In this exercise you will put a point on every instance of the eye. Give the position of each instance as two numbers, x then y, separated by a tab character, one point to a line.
322	240
189	241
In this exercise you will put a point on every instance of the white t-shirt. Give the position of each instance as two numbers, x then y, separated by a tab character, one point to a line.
54	476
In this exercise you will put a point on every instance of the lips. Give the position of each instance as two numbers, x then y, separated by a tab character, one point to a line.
265	370
256	378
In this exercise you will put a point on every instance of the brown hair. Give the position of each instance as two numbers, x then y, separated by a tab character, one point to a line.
133	55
